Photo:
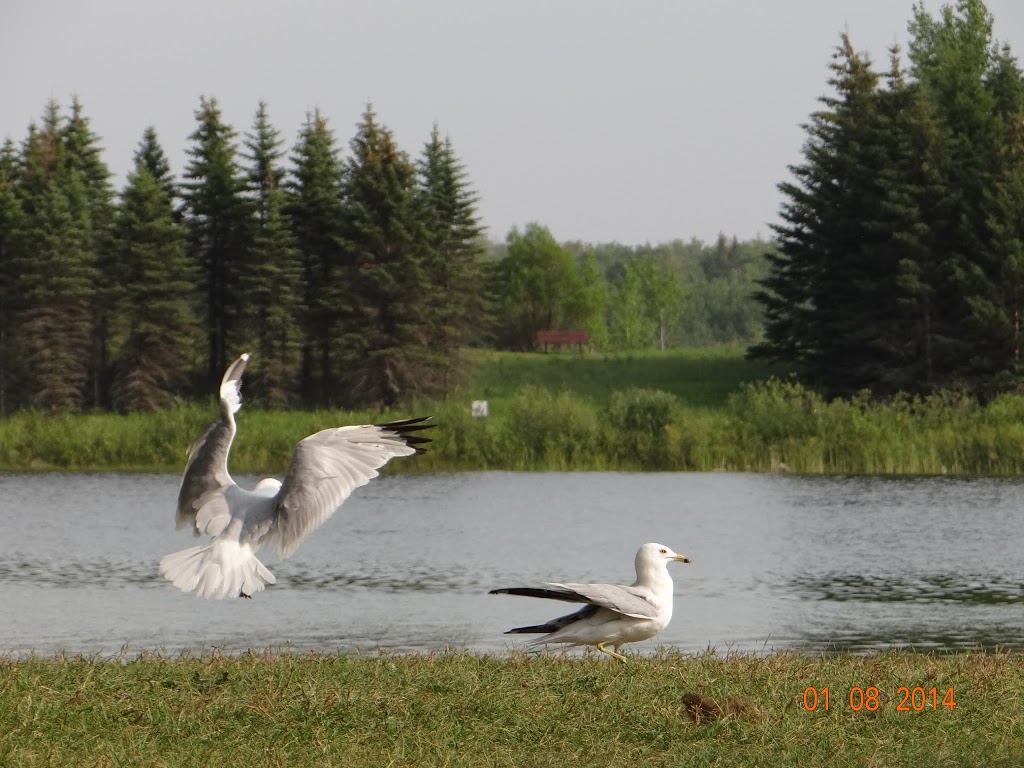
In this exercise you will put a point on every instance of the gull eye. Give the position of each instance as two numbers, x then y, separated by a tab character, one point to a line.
663	551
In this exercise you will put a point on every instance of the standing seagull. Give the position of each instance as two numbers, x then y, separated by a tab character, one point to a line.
324	470
613	614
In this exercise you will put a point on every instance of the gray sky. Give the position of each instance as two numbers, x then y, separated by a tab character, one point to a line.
639	121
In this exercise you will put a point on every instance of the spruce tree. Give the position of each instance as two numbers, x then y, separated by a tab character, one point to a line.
215	217
56	273
314	208
152	156
264	171
12	233
388	356
1003	207
951	57
828	260
157	293
912	310
83	158
271	269
454	269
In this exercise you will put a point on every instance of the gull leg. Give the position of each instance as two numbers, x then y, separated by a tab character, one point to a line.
242	594
619	656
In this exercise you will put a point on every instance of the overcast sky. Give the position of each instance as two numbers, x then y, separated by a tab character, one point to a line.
635	121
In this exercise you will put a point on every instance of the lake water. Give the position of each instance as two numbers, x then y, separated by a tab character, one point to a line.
779	562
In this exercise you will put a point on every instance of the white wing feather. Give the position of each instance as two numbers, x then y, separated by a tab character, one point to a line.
629	601
324	470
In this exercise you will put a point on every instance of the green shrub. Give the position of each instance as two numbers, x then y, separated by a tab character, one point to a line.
637	419
645	411
546	429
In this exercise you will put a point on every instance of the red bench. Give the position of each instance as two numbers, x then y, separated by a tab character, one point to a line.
563	339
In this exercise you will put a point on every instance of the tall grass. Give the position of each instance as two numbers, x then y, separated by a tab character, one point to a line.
456	710
696	410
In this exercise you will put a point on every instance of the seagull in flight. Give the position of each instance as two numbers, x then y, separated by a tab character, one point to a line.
613	614
325	468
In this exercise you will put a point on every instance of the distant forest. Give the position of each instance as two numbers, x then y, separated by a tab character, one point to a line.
355	278
900	262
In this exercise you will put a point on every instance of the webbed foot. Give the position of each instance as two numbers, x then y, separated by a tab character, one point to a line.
619	656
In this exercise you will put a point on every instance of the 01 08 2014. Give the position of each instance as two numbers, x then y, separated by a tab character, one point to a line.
868	699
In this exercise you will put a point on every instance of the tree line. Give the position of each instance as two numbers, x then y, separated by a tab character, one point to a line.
628	298
900	261
356	278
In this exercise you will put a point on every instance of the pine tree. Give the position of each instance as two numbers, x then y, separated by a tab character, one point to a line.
387	352
216	221
454	269
157	292
42	159
152	156
315	210
910	335
271	269
83	158
56	273
12	233
819	277
1003	204
264	172
951	57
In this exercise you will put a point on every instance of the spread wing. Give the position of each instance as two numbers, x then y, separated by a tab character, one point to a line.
629	601
328	466
206	471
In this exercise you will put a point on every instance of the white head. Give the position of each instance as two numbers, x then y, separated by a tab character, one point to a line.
656	555
231	385
268	486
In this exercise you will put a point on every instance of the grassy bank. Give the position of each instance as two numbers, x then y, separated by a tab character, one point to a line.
681	410
462	710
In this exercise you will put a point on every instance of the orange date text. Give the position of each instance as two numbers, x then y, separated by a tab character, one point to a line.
868	699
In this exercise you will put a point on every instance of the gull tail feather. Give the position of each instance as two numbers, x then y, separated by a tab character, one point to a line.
222	568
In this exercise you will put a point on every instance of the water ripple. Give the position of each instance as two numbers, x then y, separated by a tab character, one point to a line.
107	572
887	588
417	580
97	571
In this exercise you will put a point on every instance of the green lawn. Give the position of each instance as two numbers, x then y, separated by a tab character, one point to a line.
699	377
456	710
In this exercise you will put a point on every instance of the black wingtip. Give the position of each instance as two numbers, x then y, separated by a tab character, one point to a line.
405	429
564	595
539	629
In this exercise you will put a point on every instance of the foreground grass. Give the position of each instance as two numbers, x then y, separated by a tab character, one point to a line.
464	710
